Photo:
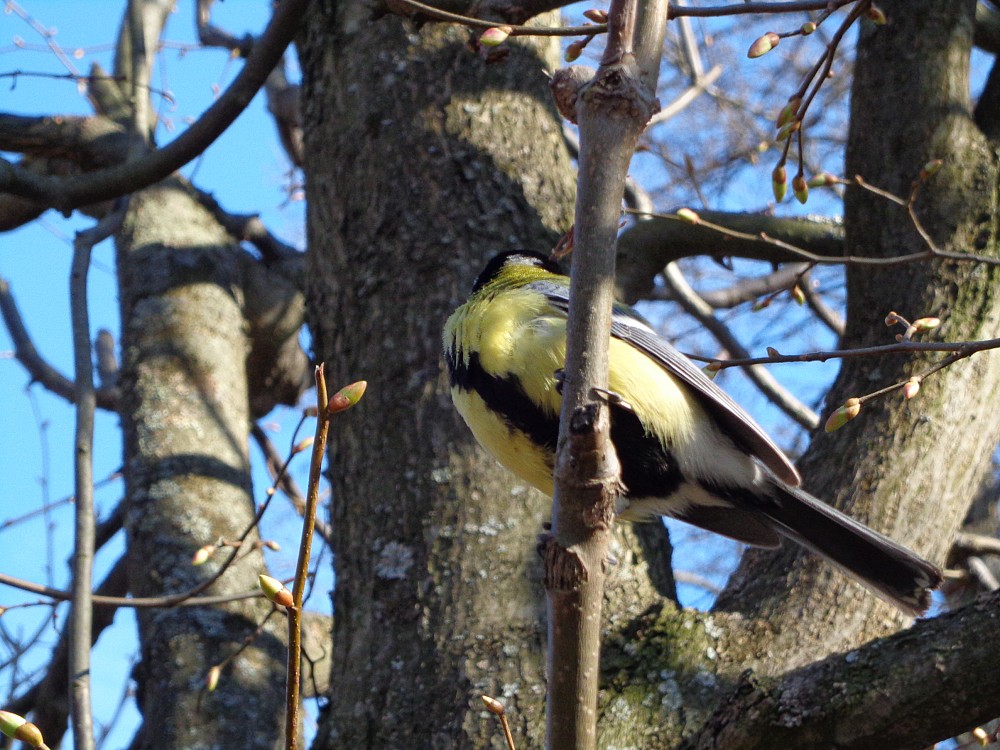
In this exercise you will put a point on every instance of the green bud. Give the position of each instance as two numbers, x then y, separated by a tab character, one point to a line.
800	189
763	45
347	397
779	182
843	415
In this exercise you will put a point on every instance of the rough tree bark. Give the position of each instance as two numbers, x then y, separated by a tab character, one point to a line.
185	415
424	161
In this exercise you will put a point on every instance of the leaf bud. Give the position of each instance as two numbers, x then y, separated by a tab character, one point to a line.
275	590
789	111
19	728
212	678
911	387
800	189
495	36
346	397
764	44
574	50
688	216
493	705
931	168
779	182
823	179
203	554
844	414
876	15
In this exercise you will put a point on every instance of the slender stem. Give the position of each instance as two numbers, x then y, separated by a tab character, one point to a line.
81	612
586	471
302	566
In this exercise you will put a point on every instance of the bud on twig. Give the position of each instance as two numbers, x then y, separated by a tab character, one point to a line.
789	111
19	728
495	37
212	678
779	183
922	325
931	168
203	554
800	188
876	15
911	387
574	50
346	397
763	45
688	216
823	179
275	591
843	415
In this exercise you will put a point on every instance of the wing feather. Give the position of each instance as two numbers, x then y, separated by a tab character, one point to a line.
629	326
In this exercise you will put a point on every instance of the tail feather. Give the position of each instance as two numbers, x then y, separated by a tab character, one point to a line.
888	569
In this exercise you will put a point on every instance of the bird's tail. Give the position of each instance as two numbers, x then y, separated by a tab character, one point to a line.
888	569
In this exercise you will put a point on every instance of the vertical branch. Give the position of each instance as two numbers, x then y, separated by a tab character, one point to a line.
81	612
611	109
302	565
342	400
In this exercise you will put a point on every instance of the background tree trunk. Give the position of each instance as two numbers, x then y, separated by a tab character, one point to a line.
185	414
908	468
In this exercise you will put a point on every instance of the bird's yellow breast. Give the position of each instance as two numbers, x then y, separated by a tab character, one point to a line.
521	341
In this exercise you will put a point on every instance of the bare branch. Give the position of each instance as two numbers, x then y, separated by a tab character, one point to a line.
112	182
940	673
80	623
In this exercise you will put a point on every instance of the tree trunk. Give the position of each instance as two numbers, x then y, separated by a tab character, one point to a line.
425	161
185	415
907	468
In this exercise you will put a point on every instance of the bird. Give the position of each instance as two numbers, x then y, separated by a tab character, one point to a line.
687	450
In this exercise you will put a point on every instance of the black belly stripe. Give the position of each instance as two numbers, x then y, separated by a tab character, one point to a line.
506	397
649	469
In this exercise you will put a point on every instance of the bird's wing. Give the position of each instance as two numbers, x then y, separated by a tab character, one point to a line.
629	326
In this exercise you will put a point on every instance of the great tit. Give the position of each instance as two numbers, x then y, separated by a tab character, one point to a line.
686	449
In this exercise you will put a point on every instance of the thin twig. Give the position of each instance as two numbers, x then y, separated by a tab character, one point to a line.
138	602
302	565
963	348
81	613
